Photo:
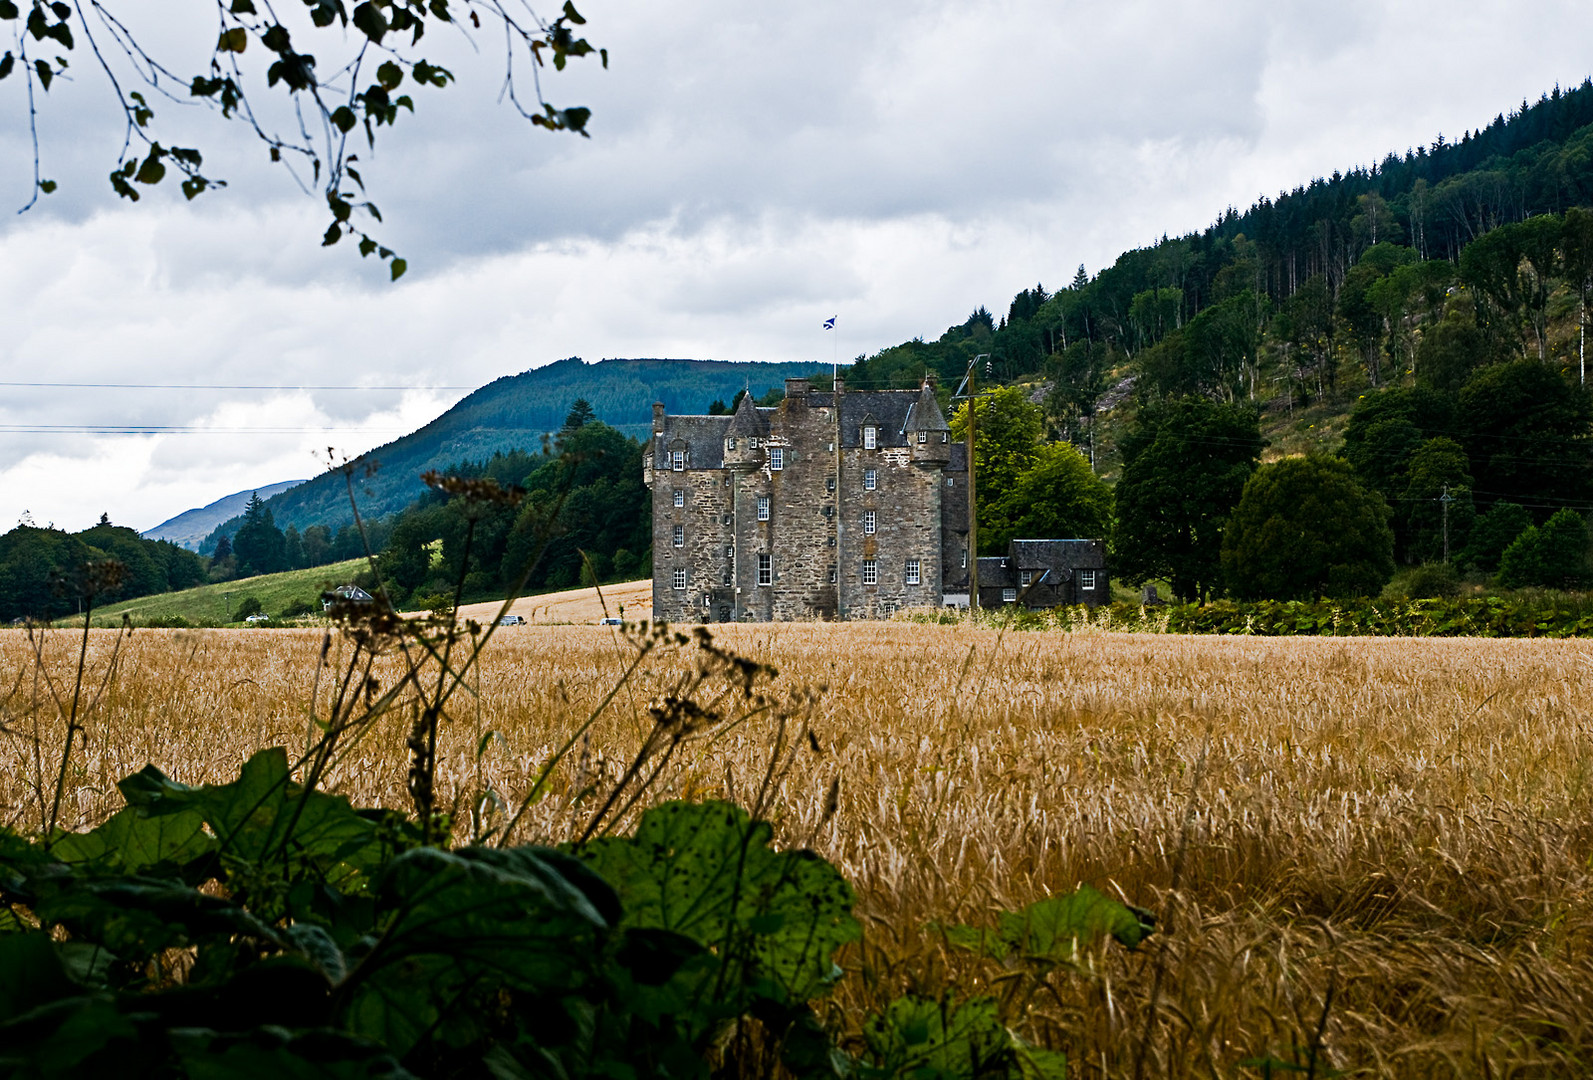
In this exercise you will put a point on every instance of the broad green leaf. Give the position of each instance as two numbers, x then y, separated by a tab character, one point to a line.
137	917
706	870
464	922
1050	927
134	841
270	1053
31	974
923	1038
263	818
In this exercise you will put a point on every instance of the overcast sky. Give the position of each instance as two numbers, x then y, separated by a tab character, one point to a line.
753	169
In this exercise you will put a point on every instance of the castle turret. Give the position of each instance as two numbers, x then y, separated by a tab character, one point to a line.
744	438
928	434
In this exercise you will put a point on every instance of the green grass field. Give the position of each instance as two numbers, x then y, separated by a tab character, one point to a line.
211	604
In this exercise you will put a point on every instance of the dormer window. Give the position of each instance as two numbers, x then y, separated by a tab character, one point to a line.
776	458
677	460
870	437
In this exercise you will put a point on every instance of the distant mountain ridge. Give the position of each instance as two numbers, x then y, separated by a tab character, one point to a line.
515	412
189	528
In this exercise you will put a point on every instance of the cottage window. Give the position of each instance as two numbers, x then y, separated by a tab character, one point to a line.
677	460
1009	596
870	572
1086	579
870	479
923	437
1024	577
765	569
870	437
763	508
680	536
679	581
776	458
912	571
680	497
868	522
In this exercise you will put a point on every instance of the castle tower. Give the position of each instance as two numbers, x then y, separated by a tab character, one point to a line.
928	434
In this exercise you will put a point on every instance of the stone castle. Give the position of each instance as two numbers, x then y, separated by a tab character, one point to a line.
829	505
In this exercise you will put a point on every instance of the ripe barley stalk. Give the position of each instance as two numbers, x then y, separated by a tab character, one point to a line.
1385	867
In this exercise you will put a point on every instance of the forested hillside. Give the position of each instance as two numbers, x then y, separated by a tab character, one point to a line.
1415	328
47	572
513	413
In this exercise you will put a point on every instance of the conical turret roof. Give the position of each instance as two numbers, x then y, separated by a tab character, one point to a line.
926	414
747	422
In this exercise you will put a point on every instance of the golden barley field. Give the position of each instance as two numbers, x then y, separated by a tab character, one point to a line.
1382	847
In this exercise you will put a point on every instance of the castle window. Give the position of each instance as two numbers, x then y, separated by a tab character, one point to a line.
679	581
776	458
912	571
923	437
725	519
730	444
1024	577
951	481
832	575
1009	596
728	582
945	436
829	483
765	569
832	541
829	511
677	460
870	437
680	497
753	443
763	508
870	479
965	558
869	520
870	572
680	536
1086	579
730	551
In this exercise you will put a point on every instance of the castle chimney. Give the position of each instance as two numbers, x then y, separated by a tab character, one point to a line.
796	388
658	416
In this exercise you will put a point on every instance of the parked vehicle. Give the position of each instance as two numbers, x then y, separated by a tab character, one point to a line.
511	620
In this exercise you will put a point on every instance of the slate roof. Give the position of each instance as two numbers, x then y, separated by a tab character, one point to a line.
704	437
748	421
1046	554
886	409
925	413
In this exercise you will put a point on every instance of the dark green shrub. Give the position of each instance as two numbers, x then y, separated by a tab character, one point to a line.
1554	556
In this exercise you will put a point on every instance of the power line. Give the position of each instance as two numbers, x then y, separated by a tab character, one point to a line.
182	429
214	386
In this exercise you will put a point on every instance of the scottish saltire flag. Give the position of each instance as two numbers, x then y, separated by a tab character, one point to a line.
829	324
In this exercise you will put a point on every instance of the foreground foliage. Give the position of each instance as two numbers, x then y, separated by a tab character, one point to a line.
259	928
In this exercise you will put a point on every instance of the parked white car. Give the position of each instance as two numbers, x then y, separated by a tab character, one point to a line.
512	620
258	617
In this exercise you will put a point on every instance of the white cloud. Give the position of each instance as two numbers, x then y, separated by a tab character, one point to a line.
753	170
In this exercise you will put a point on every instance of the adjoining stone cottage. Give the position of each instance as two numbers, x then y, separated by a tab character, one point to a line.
851	504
